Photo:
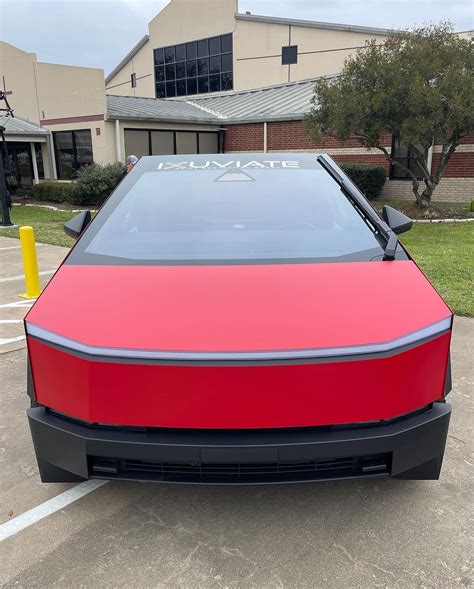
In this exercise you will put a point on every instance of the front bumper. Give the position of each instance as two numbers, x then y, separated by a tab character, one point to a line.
409	448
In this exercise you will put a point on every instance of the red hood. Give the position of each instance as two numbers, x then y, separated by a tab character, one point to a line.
238	308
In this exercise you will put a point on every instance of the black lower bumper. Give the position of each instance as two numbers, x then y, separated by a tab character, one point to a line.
409	448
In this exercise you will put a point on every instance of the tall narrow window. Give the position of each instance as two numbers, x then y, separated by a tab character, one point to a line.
73	151
289	54
133	80
39	160
407	158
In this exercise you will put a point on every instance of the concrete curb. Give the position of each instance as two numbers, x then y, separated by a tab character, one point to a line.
53	208
443	220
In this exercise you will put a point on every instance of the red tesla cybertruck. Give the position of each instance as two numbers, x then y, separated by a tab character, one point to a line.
238	319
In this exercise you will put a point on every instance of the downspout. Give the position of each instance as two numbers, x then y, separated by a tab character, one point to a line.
118	147
265	137
51	157
34	163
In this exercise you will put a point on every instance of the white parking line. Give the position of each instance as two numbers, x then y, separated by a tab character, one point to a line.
15	247
18	304
27	519
10	340
3	321
22	276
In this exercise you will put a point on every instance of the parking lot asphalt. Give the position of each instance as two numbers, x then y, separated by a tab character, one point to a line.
368	533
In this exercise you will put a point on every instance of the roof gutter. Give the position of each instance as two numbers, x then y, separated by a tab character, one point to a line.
135	49
313	24
177	121
213	121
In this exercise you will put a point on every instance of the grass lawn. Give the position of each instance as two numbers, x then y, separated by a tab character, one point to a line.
444	251
47	224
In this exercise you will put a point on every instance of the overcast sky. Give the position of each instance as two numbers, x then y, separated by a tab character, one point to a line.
100	33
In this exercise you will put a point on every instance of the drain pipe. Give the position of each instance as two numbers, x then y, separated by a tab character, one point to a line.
118	147
265	137
53	172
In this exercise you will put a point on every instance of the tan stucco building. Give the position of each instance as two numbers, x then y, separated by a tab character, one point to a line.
204	79
193	44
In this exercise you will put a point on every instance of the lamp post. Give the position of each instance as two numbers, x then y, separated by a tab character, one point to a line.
4	199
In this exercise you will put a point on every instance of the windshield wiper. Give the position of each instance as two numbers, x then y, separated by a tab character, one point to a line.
359	202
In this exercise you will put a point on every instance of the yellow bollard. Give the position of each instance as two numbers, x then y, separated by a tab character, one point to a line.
28	250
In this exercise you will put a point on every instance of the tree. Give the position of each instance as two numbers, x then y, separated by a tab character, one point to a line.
417	86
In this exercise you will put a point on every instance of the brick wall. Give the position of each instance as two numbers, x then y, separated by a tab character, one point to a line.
448	190
368	158
290	135
244	137
457	183
461	165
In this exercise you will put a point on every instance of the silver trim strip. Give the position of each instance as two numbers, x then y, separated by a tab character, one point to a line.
378	348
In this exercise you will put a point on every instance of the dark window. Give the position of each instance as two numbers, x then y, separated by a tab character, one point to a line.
181	88
226	82
170	89
73	150
39	160
226	43
203	48
160	91
133	80
169	54
191	85
233	216
180	52
214	45
203	66
289	54
203	85
215	64
191	68
180	70
226	62
18	165
214	83
170	72
191	50
198	64
159	56
406	157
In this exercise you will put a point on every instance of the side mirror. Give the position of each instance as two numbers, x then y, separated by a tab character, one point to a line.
397	221
75	226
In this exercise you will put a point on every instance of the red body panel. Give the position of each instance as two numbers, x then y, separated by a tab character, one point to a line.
291	395
238	308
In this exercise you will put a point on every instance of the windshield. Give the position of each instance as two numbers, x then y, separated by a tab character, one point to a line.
227	216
